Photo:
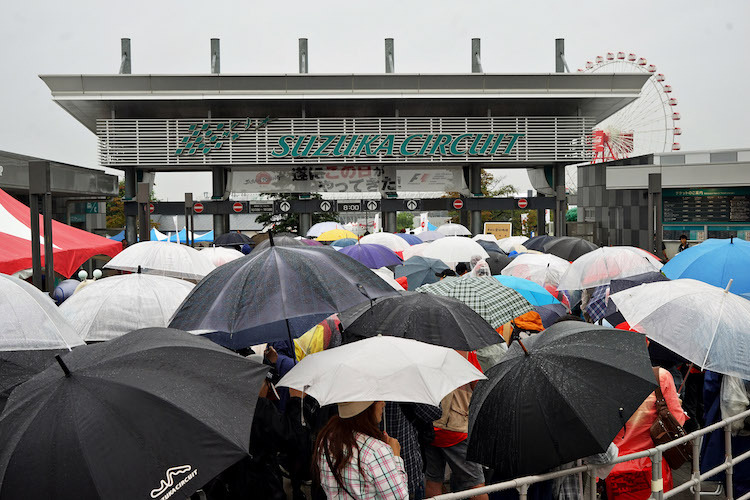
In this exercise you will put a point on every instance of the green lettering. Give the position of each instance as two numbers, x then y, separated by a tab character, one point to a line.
328	139
402	149
348	149
473	148
497	143
386	144
424	146
487	143
367	141
284	147
339	145
513	139
309	146
440	143
297	145
454	145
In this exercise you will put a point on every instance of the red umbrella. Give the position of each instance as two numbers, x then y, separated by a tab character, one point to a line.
72	246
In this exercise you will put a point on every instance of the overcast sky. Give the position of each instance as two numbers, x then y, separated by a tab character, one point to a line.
700	46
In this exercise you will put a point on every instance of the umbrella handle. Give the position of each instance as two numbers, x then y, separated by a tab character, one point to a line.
526	351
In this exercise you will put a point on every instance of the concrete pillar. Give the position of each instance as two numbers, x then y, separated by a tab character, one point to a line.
144	215
215	56
131	221
390	63
124	56
655	228
390	222
219	188
561	202
305	223
475	181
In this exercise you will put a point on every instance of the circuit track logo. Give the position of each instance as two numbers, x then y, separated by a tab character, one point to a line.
167	487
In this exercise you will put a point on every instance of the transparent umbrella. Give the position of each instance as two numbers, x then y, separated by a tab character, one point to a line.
114	306
388	240
702	323
544	269
382	369
454	250
31	320
164	258
221	255
451	229
511	243
602	265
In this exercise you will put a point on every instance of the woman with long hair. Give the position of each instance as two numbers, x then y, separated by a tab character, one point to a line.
355	459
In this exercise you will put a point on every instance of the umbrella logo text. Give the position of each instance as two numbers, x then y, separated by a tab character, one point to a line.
172	472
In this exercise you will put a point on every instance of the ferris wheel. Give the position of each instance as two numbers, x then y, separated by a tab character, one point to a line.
647	125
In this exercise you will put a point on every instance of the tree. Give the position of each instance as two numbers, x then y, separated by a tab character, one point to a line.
116	208
404	220
290	222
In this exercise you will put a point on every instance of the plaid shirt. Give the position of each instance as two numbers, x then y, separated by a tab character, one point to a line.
597	306
384	478
398	426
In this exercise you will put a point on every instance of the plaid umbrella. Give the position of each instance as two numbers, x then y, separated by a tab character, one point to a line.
598	304
496	303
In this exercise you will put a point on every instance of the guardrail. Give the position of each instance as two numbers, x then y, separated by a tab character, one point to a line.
657	488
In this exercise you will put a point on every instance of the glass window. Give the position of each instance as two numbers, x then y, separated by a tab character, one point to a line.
694	233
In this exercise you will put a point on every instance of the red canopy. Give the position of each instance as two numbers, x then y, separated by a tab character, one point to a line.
71	247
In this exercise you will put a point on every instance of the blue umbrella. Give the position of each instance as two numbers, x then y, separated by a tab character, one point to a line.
533	292
372	255
550	313
715	261
410	238
344	242
420	271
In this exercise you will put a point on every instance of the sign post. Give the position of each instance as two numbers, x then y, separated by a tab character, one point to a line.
499	230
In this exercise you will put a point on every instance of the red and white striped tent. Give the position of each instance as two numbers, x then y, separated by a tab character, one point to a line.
71	246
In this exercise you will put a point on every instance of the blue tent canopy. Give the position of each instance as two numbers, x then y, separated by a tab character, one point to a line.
207	236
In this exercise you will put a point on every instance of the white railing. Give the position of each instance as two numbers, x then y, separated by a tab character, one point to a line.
657	488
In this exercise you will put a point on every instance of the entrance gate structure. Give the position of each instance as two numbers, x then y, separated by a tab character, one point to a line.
343	133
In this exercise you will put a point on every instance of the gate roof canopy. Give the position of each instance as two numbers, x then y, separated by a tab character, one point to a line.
92	97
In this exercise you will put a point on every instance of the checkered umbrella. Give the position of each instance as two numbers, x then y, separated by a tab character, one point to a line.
598	304
496	303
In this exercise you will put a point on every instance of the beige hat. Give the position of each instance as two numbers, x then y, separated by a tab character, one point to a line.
349	410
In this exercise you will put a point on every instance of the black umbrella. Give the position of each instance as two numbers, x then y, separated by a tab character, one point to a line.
276	294
232	239
569	247
279	241
564	396
550	313
489	246
17	367
537	242
153	414
497	262
429	318
611	314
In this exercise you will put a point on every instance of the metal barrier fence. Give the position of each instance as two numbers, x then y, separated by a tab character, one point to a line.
657	488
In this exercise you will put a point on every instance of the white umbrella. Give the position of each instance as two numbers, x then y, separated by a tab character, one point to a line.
451	229
111	307
702	323
164	258
387	276
31	320
511	243
221	255
389	240
454	250
382	368
605	264
428	236
321	227
415	250
544	269
485	237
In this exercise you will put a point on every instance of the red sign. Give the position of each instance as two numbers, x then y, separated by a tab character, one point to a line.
523	203
237	207
458	204
150	208
198	208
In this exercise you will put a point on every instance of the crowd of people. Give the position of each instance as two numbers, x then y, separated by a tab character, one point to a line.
377	449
